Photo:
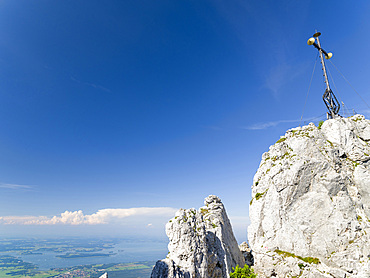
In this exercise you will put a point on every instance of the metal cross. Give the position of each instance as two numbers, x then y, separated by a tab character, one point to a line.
329	98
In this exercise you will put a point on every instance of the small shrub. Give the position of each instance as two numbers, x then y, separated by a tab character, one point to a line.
245	272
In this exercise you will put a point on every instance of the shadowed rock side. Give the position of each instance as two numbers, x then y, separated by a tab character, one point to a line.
310	208
247	253
202	244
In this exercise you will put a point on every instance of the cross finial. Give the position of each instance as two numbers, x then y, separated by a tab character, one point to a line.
329	98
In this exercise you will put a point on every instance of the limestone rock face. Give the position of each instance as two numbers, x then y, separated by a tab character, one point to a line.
247	253
202	243
310	208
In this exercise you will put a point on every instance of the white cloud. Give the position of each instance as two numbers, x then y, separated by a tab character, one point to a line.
282	74
13	220
103	216
259	126
277	78
268	124
365	112
91	85
265	125
14	186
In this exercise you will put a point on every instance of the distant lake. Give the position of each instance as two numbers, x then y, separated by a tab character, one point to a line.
125	251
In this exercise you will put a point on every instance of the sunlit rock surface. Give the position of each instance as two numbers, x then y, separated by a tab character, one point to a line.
202	243
310	208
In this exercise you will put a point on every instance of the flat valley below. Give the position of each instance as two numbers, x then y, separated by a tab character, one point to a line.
77	257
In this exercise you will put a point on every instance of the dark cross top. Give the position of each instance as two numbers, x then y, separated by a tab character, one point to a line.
329	98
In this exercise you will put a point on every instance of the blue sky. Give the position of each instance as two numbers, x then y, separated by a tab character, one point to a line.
144	107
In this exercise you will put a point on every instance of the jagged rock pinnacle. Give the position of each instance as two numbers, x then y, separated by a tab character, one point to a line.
202	244
310	208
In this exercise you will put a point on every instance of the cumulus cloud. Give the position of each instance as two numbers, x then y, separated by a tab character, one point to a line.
103	216
12	220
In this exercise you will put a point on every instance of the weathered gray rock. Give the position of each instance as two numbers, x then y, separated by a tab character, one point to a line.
202	243
311	198
247	253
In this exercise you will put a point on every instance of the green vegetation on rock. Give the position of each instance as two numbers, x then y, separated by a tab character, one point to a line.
204	211
245	272
259	195
301	266
282	139
309	260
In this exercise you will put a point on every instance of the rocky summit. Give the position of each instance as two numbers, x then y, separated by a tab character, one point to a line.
202	244
310	207
309	213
